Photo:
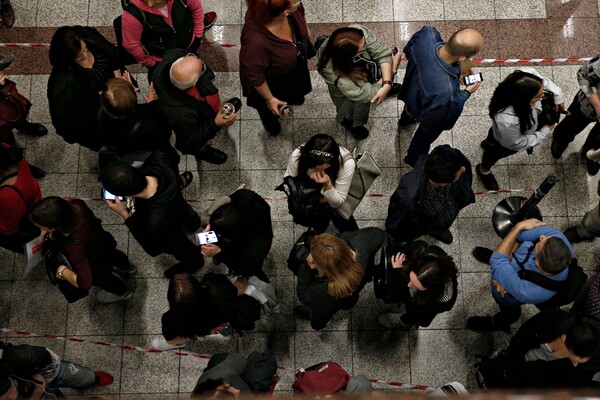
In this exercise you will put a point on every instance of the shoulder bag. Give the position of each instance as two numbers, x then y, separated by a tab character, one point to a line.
14	107
365	174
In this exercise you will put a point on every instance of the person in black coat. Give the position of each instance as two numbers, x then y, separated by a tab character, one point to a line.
82	62
213	306
335	271
243	226
424	281
155	212
127	128
190	103
552	349
429	198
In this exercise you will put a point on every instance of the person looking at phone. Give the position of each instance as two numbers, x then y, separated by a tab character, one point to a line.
431	89
89	253
427	285
155	211
517	125
242	225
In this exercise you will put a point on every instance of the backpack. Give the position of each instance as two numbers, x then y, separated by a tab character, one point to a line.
567	291
303	201
321	379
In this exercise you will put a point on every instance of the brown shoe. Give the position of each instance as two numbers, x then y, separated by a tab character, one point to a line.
8	15
444	236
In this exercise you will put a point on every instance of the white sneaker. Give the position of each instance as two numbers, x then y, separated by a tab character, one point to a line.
451	389
160	343
392	321
107	297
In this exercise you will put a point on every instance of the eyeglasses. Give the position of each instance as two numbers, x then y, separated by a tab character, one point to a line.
319	153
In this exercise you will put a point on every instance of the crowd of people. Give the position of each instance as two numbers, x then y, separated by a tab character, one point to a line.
93	102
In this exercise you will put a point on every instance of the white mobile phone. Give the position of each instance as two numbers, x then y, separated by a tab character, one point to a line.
106	195
206	237
474	78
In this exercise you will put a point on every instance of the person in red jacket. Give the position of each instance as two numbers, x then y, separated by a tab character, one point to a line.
151	27
18	191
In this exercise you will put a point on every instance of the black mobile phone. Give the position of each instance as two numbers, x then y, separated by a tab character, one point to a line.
6	62
394	51
474	78
106	195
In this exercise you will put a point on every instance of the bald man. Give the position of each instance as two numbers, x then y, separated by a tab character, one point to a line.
190	102
431	90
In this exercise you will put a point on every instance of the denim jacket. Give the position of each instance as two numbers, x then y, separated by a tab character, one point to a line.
431	88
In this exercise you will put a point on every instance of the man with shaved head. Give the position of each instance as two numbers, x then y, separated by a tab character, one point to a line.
190	102
431	89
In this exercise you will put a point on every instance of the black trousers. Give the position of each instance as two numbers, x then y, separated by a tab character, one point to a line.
495	152
573	124
111	283
187	253
507	315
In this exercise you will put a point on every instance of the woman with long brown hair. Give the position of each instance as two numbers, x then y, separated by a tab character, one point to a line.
336	270
344	62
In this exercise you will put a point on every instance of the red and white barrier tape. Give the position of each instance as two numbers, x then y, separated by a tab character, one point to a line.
545	60
171	352
270	198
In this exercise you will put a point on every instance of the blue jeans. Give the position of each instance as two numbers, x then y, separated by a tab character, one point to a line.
72	375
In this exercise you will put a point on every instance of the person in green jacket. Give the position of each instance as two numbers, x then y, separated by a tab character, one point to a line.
345	59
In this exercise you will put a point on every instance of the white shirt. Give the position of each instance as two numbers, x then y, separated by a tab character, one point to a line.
337	195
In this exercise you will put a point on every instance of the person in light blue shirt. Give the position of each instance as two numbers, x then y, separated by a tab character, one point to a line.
530	245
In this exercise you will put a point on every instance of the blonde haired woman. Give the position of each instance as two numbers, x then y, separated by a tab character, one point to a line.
336	270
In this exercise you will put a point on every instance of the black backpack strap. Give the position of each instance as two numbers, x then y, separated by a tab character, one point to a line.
16	189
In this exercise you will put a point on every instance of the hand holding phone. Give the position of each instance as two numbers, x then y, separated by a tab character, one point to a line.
106	195
473	78
207	237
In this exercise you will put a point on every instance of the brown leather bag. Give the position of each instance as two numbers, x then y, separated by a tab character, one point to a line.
14	107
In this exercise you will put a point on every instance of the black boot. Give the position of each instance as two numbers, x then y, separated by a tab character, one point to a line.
31	129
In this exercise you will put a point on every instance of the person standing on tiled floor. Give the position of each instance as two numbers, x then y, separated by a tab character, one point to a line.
343	63
154	209
429	198
276	46
588	228
27	370
190	102
584	110
536	247
431	87
518	121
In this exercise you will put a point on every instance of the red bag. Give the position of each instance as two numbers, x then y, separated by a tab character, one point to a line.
321	379
14	107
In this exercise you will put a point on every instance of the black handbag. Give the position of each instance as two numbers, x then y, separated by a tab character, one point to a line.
548	115
300	251
53	259
303	196
386	279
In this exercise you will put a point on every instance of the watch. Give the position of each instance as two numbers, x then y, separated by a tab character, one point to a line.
387	82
